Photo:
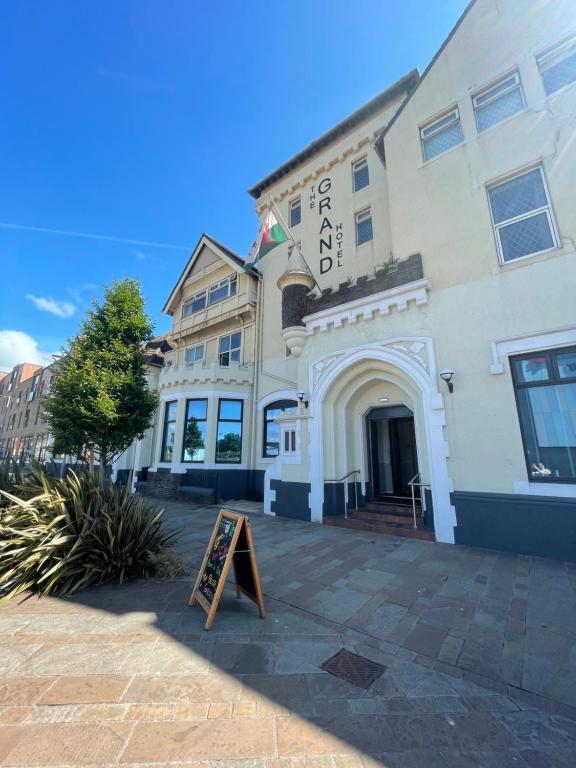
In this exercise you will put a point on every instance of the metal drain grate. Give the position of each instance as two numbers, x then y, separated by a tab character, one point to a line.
353	668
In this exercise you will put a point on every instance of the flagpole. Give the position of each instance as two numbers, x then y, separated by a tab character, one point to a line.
282	219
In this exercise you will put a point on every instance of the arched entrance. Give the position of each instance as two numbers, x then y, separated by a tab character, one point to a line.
346	387
392	451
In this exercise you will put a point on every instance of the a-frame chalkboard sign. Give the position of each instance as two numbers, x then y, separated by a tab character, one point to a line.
230	544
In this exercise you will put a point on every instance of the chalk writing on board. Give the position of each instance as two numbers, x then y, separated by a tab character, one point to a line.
216	559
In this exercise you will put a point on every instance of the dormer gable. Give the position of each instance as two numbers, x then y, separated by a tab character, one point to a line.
209	256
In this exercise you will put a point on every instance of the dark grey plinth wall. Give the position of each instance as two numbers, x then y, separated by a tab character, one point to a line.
334	499
291	500
530	525
227	483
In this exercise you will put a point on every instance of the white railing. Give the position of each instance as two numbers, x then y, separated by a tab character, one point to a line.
341	480
413	484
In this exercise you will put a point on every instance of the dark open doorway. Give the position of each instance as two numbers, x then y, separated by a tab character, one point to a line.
392	451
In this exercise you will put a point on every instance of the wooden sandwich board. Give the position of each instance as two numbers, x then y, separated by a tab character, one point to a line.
230	544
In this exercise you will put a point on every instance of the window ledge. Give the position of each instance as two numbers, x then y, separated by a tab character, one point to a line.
564	490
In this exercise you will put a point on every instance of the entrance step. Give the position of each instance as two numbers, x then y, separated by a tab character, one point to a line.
384	508
392	516
408	532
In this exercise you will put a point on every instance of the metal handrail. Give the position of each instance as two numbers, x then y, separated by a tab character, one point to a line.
413	485
340	480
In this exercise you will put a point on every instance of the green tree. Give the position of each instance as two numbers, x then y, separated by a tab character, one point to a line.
193	440
99	401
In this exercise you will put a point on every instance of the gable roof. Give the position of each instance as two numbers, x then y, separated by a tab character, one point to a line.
228	256
406	84
379	143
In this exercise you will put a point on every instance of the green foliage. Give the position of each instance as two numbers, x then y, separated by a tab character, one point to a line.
60	535
99	401
229	447
193	440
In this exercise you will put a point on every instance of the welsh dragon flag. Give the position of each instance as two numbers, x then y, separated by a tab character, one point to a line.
270	235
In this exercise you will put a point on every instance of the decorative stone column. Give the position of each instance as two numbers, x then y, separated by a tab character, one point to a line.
295	283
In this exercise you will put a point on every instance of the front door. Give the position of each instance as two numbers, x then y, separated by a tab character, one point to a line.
403	459
392	451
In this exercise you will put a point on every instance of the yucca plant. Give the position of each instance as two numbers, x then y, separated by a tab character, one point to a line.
59	535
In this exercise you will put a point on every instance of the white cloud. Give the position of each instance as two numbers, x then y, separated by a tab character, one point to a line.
58	308
141	256
18	347
78	292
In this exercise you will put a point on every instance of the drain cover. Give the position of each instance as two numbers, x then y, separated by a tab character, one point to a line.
353	668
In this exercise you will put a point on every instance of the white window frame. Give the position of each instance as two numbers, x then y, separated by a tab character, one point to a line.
239	348
192	299
432	128
358	220
229	280
292	206
553	55
225	282
358	165
545	209
288	442
196	359
484	93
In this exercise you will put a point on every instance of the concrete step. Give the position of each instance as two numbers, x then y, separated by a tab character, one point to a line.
392	530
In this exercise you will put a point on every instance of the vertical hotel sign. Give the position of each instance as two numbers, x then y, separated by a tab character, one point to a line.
330	234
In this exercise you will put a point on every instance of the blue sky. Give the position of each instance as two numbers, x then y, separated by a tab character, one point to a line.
147	120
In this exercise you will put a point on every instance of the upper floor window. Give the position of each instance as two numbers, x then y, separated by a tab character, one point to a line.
212	295
169	431
195	354
194	304
545	384
363	221
33	389
441	134
295	209
271	446
229	348
522	215
222	290
499	101
558	65
360	174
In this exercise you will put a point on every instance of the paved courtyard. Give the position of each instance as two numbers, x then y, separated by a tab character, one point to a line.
478	648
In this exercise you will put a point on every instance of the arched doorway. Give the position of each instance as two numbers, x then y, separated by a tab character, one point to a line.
346	387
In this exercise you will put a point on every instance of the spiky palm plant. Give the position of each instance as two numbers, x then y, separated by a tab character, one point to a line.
58	535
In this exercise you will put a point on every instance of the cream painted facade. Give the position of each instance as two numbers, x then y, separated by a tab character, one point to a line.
441	283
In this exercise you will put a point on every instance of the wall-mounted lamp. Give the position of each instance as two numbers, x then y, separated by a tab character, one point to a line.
301	396
383	399
446	375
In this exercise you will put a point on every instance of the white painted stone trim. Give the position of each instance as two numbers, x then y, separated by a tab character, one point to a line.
193	394
180	467
562	490
365	308
279	394
434	417
526	342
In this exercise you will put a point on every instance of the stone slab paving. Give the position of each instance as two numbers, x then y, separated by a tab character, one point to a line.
126	676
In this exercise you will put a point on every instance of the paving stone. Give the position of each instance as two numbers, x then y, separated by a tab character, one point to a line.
243	658
13	657
62	744
85	689
540	729
23	690
13	715
184	688
425	639
548	758
199	740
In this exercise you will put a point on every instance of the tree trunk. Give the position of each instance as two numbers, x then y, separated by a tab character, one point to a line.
91	461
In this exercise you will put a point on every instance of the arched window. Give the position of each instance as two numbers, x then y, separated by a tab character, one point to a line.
271	444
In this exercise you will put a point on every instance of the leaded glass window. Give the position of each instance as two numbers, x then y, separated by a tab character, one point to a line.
522	216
